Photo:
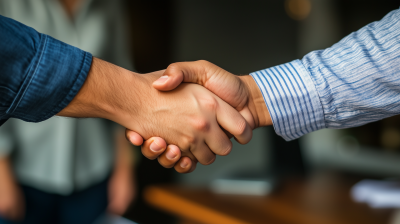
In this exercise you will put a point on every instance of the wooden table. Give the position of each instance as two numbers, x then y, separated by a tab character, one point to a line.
322	198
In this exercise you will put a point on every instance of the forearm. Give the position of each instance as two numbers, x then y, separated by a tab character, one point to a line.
104	94
357	79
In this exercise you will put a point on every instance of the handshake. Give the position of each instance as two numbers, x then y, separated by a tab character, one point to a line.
186	113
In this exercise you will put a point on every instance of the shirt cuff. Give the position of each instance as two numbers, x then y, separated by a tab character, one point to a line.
291	98
57	73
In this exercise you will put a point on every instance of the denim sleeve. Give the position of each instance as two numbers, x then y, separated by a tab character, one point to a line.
354	82
39	75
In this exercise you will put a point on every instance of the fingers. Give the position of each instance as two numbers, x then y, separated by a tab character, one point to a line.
170	157
153	147
203	154
185	165
246	114
224	84
233	122
219	142
133	137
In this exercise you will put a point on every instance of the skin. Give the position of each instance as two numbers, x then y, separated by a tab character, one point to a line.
190	117
121	187
122	184
12	204
71	6
186	165
241	92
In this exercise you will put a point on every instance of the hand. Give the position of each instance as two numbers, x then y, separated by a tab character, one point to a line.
122	184
121	191
190	117
239	91
12	204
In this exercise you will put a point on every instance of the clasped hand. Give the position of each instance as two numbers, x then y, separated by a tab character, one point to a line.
196	119
201	123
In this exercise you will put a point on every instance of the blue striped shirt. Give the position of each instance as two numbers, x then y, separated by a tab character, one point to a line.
354	82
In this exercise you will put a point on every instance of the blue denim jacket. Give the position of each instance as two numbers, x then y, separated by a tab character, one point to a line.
39	75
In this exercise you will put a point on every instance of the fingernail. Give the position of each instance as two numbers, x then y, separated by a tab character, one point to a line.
130	136
184	164
171	155
155	147
162	79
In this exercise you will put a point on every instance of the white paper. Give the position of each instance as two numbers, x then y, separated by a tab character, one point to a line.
377	194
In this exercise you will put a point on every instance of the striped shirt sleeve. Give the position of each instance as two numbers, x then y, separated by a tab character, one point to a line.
354	82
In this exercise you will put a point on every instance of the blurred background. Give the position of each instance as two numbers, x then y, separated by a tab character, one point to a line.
246	36
242	37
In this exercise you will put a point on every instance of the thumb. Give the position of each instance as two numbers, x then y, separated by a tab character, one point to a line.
224	84
172	77
191	72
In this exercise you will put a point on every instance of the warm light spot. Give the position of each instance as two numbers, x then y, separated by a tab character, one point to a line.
390	138
298	9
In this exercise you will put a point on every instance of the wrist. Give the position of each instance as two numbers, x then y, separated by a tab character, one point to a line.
89	101
256	103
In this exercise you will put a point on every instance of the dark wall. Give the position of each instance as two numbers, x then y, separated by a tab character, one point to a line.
239	36
151	23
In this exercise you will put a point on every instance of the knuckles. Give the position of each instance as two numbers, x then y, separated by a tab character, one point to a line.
173	67
228	149
210	161
200	124
204	63
240	128
209	103
165	163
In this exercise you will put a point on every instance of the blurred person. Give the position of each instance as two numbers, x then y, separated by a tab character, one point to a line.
68	170
354	82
